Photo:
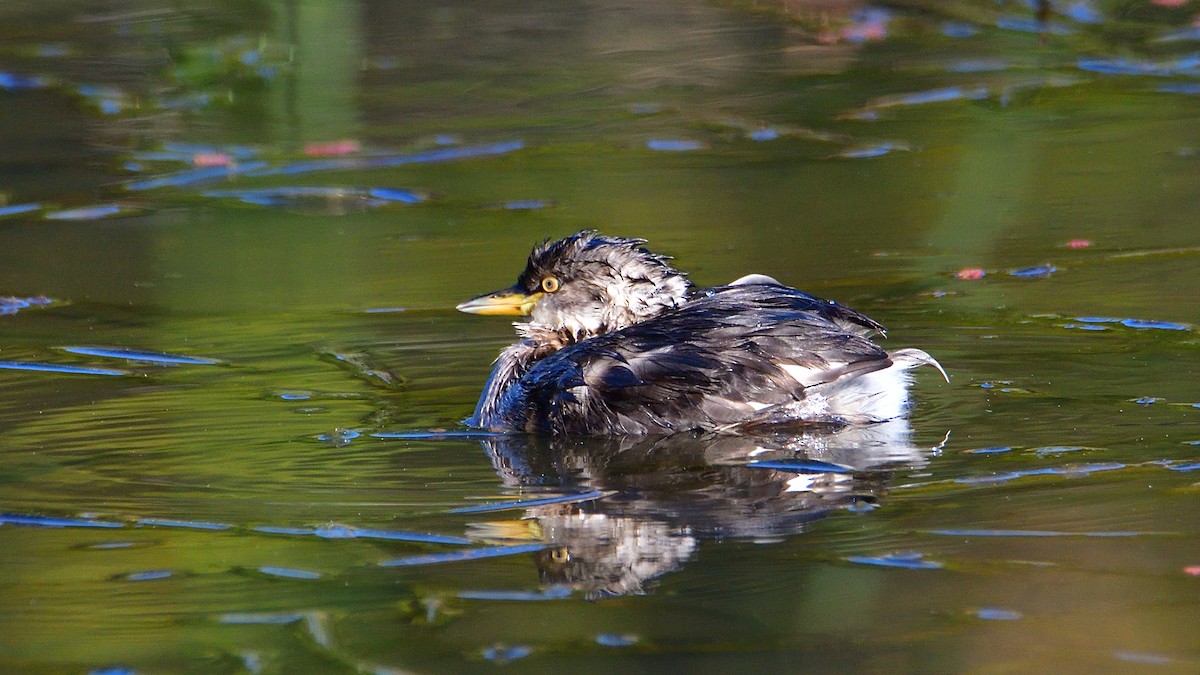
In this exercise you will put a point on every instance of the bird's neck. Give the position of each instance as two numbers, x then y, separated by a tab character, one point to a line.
501	392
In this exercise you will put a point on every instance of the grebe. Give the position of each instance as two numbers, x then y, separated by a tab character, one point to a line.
618	341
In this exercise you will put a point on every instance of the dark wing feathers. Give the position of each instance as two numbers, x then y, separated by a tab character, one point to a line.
715	361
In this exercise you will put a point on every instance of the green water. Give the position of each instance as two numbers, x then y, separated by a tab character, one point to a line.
1042	517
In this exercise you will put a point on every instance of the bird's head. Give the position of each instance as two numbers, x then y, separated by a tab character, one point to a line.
584	285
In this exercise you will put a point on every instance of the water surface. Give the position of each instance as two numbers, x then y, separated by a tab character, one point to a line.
231	239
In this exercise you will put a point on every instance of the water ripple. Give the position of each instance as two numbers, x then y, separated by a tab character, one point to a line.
909	561
526	503
60	368
185	524
555	592
141	356
47	521
12	305
1032	533
350	532
461	555
380	162
289	573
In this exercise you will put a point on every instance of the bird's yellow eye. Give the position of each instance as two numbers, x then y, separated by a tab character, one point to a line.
550	284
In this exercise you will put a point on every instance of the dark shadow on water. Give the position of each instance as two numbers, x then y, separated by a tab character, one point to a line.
642	505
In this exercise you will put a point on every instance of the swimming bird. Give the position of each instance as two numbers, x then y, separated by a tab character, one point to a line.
618	341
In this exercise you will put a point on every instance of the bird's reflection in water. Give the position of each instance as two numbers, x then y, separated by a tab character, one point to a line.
661	495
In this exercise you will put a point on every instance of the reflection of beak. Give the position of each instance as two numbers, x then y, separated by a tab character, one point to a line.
508	302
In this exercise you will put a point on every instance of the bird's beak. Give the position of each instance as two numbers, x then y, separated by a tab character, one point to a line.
508	302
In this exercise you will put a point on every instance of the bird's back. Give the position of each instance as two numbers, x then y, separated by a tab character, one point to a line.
729	359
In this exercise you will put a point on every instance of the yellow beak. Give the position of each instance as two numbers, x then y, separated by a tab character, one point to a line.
508	302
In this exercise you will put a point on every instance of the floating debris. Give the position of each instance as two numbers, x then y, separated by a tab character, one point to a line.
527	503
1147	400
463	555
970	273
142	356
909	561
1078	243
60	368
